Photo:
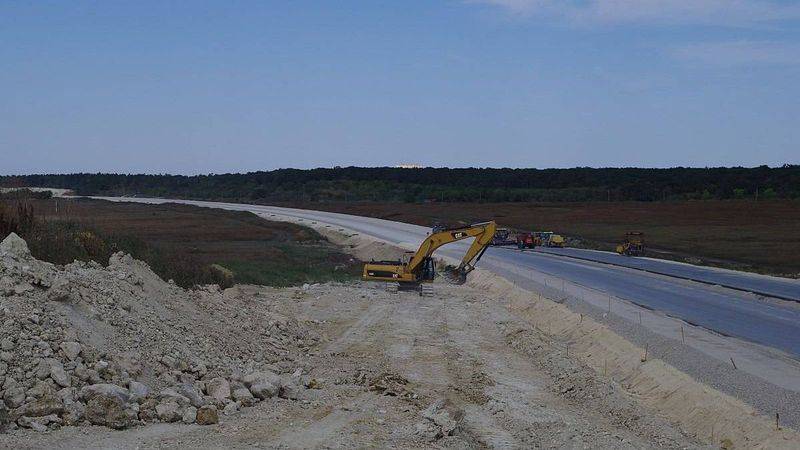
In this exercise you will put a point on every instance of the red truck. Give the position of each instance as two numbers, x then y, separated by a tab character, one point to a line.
525	240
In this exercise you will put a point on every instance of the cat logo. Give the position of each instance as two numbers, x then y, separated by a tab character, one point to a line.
459	235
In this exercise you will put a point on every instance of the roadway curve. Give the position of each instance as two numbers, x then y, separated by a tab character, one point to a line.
730	312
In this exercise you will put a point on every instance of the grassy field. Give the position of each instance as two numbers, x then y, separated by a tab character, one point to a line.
182	242
759	236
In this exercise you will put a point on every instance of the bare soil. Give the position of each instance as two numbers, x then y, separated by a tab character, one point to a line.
385	358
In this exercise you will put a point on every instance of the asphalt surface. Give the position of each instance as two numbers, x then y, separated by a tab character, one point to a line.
772	323
783	288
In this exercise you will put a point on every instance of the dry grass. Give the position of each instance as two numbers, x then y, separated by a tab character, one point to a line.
759	236
182	242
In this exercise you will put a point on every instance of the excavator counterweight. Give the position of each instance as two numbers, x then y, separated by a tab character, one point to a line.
420	268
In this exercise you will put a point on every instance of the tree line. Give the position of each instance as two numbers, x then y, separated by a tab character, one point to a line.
441	184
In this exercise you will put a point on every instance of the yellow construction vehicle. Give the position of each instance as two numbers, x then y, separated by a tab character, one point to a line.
548	239
633	244
420	268
556	240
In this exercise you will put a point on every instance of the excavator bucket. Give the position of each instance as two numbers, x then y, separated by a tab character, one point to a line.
456	275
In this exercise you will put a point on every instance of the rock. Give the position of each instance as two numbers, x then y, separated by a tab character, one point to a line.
41	407
108	404
147	410
444	415
264	390
104	389
58	374
207	415
138	391
199	368
73	413
189	391
60	291
71	350
14	245
169	361
292	387
42	369
38	423
14	396
243	396
6	356
4	416
219	388
170	394
232	407
7	345
41	389
263	385
169	411
189	415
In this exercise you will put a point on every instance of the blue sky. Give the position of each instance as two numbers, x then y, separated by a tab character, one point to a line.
227	86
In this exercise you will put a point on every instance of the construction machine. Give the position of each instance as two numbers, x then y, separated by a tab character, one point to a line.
420	268
525	240
548	239
556	240
503	237
633	244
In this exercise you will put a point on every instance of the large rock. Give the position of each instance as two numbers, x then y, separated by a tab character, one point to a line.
60	291
108	404
444	415
189	415
138	391
14	396
263	384
243	396
73	413
14	245
189	391
219	388
44	406
58	374
207	415
169	411
39	423
71	350
171	394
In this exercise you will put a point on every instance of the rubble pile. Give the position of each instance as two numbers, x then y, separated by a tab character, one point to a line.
119	347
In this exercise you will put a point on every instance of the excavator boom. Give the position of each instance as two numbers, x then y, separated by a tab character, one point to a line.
420	268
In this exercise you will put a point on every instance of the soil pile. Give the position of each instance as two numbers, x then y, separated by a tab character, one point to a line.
118	346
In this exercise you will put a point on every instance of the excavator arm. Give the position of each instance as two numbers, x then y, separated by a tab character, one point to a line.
418	267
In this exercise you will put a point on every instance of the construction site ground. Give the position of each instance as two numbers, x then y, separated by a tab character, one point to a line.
482	365
386	358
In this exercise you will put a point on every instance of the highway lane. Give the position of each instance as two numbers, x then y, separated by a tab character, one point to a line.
777	287
722	310
726	311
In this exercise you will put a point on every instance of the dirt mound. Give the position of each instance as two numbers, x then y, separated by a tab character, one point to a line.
701	411
118	346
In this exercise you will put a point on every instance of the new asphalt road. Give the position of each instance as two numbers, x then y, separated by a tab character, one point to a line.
653	284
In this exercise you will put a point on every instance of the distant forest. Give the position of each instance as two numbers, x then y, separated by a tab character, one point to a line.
441	184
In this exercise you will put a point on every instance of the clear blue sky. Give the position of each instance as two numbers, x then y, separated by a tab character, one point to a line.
222	86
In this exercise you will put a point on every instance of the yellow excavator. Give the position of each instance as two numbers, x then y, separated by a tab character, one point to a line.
420	268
